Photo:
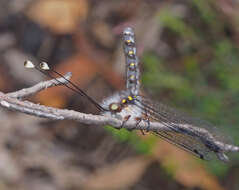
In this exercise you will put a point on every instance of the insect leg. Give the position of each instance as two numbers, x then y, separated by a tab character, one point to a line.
124	121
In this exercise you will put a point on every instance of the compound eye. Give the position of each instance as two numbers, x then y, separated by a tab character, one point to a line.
124	101
130	98
114	107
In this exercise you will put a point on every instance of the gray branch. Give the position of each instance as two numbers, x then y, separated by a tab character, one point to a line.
40	86
12	101
60	114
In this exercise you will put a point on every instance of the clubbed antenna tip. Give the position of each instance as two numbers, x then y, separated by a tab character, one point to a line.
44	66
28	64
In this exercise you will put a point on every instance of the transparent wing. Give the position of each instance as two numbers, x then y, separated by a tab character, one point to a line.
193	135
186	143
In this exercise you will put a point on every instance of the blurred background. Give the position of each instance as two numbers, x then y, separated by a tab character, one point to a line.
189	59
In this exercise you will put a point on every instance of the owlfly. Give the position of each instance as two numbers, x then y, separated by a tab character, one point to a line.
193	135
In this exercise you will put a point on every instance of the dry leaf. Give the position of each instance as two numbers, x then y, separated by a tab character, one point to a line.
187	170
118	176
103	33
60	16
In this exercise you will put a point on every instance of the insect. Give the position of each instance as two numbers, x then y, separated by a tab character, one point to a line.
193	135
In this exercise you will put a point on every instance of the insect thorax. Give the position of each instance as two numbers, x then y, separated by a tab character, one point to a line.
121	106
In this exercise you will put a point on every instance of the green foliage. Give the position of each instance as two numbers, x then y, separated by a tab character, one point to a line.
176	24
141	146
217	168
205	11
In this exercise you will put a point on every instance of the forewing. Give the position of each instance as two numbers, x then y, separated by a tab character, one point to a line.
186	143
190	141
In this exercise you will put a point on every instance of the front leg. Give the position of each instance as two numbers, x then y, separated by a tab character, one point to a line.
126	118
138	120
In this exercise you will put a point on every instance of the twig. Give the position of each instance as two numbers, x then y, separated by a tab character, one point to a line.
39	87
11	101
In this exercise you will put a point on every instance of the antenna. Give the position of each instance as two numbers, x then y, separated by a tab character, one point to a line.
44	69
